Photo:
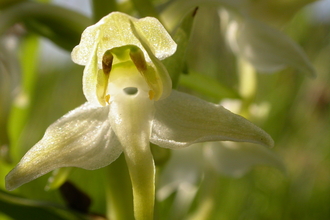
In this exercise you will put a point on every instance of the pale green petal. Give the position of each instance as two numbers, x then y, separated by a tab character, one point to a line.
90	84
235	159
180	178
82	138
185	168
267	49
162	83
182	119
116	31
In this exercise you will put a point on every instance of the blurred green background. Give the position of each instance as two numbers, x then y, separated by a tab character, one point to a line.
39	84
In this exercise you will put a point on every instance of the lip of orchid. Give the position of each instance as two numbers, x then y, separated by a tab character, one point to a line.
126	78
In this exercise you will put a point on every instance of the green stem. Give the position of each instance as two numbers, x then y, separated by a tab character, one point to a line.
101	8
19	113
142	171
119	191
247	85
208	193
29	10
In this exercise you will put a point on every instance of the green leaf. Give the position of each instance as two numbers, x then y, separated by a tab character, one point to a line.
21	208
176	64
61	25
19	112
208	86
119	191
6	3
9	79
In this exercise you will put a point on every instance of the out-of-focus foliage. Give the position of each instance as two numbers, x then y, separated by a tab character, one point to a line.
38	86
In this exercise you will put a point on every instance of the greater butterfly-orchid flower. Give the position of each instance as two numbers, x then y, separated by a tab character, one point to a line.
130	103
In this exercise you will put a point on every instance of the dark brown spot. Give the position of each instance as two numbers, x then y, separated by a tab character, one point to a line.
138	59
107	62
75	198
195	12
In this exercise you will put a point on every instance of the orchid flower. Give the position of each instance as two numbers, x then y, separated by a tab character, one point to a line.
250	38
130	103
266	48
223	158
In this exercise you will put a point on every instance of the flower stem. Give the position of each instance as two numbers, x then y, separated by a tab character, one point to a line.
119	191
57	16
247	85
207	198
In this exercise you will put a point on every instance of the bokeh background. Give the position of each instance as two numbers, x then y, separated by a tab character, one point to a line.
39	83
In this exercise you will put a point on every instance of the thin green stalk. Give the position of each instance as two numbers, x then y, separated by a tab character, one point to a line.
119	191
247	85
208	193
21	104
28	10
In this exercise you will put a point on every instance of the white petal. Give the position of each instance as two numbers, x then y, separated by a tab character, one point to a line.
163	82
182	119
267	49
116	31
82	138
235	159
184	168
90	78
